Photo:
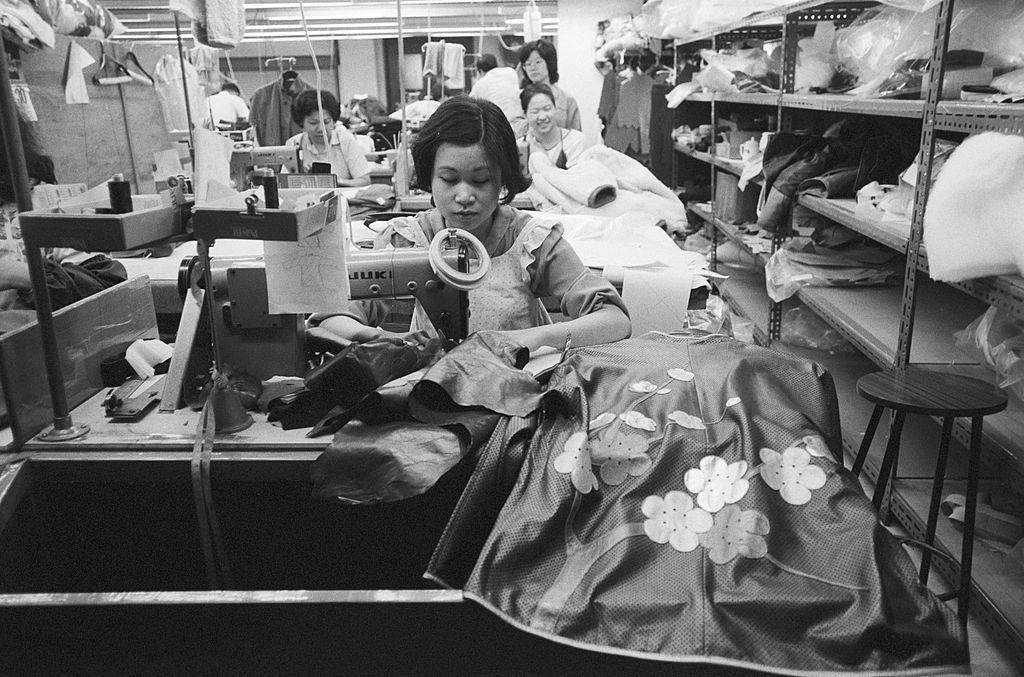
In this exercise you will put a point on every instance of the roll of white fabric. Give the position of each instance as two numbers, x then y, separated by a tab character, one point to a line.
974	221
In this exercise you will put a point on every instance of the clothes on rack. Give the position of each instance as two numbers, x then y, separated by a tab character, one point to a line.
454	69
627	109
270	110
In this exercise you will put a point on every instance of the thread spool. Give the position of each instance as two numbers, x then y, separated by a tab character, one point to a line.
120	194
266	178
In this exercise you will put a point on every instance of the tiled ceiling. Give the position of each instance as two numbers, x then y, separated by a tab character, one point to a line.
150	20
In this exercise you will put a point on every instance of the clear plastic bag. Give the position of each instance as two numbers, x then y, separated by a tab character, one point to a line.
997	340
801	326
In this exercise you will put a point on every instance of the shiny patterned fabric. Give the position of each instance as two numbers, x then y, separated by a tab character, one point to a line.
679	500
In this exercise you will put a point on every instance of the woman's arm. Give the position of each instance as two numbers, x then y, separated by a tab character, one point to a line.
605	325
354	158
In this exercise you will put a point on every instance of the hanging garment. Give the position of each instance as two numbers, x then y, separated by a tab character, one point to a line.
215	23
111	71
270	110
433	58
454	70
629	131
609	100
169	92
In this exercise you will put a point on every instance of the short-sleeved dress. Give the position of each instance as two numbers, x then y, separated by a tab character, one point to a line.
529	261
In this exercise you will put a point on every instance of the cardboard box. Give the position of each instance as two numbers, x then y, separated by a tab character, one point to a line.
958	77
78	226
733	205
229	217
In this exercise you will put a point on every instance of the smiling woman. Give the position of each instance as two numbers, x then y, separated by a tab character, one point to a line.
546	142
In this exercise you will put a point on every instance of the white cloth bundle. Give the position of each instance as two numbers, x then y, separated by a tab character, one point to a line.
974	222
636	189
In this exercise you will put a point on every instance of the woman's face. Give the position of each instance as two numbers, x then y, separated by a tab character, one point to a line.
536	68
318	133
540	113
465	187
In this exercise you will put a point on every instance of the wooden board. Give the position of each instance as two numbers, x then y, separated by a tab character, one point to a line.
89	142
87	332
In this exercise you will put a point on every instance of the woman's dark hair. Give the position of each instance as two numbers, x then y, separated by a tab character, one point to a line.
531	90
39	165
305	104
546	51
231	87
466	121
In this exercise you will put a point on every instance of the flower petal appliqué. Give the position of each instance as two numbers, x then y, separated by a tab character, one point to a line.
686	420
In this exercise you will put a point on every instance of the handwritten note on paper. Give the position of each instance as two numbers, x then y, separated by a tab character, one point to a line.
310	275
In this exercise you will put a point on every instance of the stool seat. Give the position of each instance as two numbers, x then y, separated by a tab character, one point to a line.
947	396
932	393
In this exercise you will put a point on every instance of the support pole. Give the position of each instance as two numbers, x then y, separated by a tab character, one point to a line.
63	427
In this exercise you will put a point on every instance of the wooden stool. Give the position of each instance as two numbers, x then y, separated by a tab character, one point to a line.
947	396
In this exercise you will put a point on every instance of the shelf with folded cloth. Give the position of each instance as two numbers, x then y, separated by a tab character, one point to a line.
1005	291
892	233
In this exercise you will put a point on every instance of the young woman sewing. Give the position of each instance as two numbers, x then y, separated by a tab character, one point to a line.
466	156
326	141
545	141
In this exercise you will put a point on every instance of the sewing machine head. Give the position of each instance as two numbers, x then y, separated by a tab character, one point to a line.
253	341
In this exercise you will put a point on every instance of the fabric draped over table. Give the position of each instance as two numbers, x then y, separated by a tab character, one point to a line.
677	498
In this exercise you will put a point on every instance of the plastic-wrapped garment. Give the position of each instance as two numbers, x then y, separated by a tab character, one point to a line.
801	263
974	221
83	18
997	339
683	18
167	75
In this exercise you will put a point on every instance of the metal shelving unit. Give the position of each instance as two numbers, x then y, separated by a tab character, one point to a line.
893	327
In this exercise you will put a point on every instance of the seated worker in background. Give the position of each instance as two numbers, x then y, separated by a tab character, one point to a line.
228	109
466	156
545	141
327	142
70	275
539	61
501	86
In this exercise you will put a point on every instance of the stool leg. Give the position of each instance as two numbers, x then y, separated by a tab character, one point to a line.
933	509
869	436
970	507
892	450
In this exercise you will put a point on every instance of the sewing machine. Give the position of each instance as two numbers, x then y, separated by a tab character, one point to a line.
264	345
245	156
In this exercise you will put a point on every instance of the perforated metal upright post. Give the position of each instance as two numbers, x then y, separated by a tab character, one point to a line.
63	427
936	73
714	172
782	122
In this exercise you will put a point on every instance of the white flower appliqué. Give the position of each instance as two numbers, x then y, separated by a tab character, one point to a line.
791	474
717	482
620	453
575	461
686	420
675	520
816	446
736	532
634	419
642	387
680	374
